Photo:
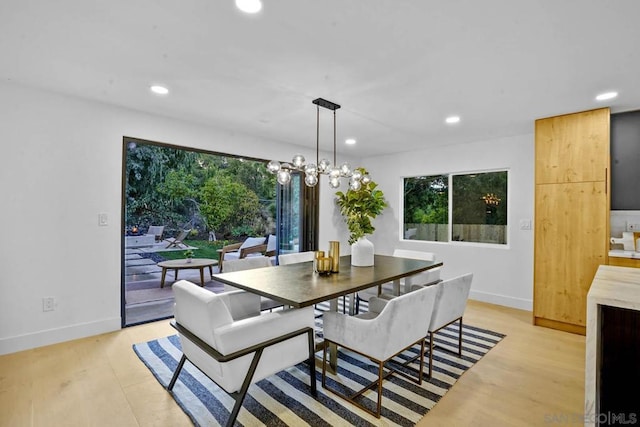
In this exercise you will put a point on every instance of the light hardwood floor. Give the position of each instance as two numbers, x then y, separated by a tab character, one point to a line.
535	376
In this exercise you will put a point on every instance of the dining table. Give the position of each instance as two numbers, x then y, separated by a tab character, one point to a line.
297	285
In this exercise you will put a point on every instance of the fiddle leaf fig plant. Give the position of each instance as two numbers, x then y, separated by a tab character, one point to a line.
359	207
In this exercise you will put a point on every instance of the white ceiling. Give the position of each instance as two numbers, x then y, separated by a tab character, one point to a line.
397	67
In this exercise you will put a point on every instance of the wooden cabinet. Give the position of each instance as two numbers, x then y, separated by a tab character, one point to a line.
624	262
573	147
571	217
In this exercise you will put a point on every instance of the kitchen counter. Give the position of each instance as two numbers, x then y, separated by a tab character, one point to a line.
612	289
619	253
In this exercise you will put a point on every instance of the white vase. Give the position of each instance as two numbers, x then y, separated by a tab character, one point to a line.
362	253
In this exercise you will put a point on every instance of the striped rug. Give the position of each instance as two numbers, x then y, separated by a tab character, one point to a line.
284	399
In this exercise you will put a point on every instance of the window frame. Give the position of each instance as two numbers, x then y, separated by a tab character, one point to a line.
449	241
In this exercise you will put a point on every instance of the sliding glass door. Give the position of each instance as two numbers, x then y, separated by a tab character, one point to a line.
297	216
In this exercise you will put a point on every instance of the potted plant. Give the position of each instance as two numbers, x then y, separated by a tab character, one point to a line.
358	207
188	254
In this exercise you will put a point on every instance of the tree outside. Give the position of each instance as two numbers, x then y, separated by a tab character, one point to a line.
229	197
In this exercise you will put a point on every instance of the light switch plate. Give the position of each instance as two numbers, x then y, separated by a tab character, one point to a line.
103	219
525	224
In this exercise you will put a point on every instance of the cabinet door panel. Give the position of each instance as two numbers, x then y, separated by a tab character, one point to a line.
573	147
570	244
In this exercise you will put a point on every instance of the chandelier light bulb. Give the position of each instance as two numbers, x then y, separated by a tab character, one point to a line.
334	182
324	165
298	160
311	169
334	173
356	175
311	180
365	179
283	177
273	166
345	169
355	185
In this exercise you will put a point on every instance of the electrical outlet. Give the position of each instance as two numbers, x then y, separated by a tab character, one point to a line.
48	304
633	226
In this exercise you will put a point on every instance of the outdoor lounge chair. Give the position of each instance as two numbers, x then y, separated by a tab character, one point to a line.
178	240
252	246
157	231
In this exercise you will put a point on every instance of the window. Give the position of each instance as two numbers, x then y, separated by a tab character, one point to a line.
474	204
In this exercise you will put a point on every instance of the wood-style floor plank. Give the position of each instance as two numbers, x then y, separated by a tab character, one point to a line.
535	375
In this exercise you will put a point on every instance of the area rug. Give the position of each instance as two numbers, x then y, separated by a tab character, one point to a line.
284	399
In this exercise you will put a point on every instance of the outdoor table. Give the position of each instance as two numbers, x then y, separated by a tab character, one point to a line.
182	264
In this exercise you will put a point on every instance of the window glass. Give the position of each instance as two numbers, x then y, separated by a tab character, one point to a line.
475	206
479	207
426	208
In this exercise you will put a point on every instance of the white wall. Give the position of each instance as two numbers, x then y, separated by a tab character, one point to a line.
61	166
502	275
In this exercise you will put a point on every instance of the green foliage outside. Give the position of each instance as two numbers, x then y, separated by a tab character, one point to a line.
209	193
359	207
469	207
426	199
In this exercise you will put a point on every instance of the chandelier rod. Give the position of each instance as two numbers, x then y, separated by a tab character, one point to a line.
334	137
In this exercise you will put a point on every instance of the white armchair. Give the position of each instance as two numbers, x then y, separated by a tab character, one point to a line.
450	305
389	328
226	337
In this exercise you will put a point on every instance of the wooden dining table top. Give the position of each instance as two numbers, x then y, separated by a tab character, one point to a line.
298	286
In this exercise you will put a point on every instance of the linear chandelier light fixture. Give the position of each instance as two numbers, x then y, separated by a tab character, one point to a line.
321	167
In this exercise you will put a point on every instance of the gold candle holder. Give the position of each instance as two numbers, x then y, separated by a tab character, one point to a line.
324	265
317	256
334	254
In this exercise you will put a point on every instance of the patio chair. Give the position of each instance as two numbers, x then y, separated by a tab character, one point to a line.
157	231
229	340
252	246
178	240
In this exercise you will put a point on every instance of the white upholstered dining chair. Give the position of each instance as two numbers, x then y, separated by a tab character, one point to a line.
449	308
389	328
225	336
428	277
295	257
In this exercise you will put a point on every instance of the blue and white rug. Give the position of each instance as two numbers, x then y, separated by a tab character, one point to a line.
284	399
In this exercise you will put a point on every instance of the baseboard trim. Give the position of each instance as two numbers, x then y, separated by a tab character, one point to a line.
58	335
522	304
561	326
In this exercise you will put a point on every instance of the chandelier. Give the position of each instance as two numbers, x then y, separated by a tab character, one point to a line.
320	167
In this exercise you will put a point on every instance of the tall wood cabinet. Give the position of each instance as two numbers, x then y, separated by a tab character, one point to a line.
571	215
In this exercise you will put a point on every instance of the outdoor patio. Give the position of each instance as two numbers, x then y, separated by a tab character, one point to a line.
145	300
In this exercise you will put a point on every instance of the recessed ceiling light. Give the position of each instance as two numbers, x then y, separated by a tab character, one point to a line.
452	119
249	6
606	95
160	90
350	141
